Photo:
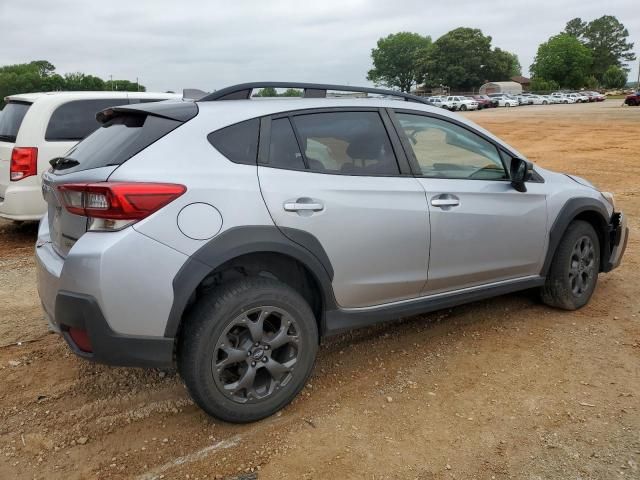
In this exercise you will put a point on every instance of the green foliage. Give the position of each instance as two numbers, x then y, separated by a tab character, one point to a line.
592	82
614	77
124	86
396	60
267	92
541	85
40	76
563	59
292	92
607	38
463	59
501	65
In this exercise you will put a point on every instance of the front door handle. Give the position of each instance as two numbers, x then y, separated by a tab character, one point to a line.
445	200
303	204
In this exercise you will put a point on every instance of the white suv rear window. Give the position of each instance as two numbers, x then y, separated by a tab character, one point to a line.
11	119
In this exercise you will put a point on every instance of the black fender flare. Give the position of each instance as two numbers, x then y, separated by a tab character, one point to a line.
238	241
567	214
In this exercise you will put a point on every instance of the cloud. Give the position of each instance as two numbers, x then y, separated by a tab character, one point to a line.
211	44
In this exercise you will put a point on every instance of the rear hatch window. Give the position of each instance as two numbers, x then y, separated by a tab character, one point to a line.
115	142
11	119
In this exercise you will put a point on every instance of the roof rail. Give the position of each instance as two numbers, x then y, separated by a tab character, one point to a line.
243	91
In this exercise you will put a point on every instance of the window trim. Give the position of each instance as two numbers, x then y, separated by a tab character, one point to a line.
415	165
402	162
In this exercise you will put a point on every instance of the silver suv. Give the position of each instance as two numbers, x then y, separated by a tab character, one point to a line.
230	234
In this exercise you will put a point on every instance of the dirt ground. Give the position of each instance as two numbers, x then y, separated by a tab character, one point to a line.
500	389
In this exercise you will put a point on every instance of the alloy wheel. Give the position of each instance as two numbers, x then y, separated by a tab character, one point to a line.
256	354
582	266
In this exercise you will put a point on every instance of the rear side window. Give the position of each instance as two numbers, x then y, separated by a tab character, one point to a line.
350	143
283	147
239	142
11	119
118	140
75	120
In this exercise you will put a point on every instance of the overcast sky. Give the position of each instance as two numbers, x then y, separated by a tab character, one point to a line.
203	44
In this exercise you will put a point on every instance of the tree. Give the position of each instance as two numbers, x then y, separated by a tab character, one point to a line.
607	38
267	92
124	86
80	81
463	59
614	77
575	27
541	85
563	59
396	60
501	65
292	92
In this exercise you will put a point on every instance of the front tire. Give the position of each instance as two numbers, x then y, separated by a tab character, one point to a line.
247	349
573	275
463	107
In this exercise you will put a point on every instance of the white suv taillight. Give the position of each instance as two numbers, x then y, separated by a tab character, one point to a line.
115	205
24	163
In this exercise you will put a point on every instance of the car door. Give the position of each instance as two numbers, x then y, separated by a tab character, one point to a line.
339	176
482	230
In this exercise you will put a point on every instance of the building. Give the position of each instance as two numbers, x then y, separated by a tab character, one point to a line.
524	81
513	88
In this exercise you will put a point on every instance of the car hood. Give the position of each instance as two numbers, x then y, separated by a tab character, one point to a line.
581	181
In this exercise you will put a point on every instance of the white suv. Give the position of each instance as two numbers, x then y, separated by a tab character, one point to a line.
461	103
38	127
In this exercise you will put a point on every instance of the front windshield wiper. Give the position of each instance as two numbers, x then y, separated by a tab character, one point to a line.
60	163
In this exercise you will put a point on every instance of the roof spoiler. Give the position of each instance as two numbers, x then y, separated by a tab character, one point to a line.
193	94
178	110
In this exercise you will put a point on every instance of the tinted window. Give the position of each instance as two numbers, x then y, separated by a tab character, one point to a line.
77	119
118	140
11	119
239	142
283	147
352	143
446	150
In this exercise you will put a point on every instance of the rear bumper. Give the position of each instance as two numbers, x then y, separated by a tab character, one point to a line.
22	202
619	236
74	310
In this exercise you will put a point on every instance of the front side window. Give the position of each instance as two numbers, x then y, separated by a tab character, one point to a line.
349	143
445	150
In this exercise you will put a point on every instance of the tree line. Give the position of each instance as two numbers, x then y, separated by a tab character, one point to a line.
586	54
40	76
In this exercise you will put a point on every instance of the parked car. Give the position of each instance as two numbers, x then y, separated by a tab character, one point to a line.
524	99
578	97
505	100
537	100
217	234
459	102
563	97
438	102
36	128
550	99
633	100
484	101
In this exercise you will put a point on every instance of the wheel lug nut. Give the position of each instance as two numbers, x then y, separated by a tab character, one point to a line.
253	364
248	353
266	347
256	344
265	359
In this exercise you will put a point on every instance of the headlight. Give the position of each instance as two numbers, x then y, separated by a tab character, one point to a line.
608	196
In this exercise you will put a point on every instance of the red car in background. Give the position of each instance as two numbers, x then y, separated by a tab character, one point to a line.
633	100
484	101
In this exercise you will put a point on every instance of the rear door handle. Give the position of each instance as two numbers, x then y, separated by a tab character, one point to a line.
303	204
445	200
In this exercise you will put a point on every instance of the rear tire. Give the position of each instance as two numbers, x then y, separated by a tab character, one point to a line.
573	275
247	349
463	107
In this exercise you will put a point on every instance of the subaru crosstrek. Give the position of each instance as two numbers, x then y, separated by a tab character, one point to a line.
230	234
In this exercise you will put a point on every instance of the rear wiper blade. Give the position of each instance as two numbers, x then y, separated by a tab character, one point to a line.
60	163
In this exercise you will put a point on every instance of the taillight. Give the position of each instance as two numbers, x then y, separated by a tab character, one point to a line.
24	163
114	205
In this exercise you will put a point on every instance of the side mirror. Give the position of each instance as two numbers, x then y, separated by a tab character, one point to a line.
519	170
